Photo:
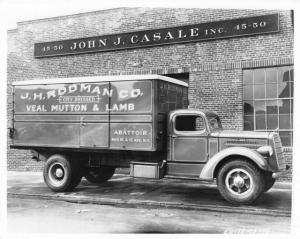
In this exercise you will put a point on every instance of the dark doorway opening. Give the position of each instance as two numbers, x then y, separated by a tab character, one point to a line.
180	76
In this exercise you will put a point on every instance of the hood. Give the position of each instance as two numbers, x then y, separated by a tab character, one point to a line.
240	134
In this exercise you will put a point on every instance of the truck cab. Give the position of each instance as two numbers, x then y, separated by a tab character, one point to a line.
244	163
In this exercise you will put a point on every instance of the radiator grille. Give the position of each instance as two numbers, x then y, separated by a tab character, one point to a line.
278	152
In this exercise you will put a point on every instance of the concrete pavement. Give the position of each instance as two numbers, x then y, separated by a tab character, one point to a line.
125	191
31	215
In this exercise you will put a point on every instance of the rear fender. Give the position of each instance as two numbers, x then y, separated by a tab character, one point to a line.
208	170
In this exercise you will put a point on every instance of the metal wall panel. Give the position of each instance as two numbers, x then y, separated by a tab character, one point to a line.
94	135
79	115
47	134
213	147
184	169
191	149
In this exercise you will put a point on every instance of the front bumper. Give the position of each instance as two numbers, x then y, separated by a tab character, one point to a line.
281	173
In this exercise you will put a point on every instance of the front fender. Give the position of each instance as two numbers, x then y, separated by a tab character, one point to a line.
207	172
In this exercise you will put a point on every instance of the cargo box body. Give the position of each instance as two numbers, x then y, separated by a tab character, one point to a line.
96	113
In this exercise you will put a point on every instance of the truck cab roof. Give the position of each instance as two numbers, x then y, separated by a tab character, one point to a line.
192	111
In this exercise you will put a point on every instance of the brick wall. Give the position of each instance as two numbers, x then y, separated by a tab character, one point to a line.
215	67
220	91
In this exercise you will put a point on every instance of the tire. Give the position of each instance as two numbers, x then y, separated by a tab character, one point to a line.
61	174
100	175
240	182
269	181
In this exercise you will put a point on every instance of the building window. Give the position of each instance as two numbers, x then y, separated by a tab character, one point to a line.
268	101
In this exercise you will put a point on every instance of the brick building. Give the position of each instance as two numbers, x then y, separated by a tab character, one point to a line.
246	78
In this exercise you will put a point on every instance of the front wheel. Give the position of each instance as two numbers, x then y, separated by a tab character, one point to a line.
100	175
240	182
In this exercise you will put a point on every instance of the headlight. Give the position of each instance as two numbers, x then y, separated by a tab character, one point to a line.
265	150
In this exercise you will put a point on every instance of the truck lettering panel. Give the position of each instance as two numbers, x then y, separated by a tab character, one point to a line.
62	98
131	97
84	98
126	136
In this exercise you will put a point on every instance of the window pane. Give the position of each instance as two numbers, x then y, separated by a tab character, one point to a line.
259	76
285	121
286	138
284	90
248	92
272	121
284	106
260	121
292	88
248	108
283	74
272	107
189	123
248	77
259	91
260	107
249	122
271	91
292	106
271	75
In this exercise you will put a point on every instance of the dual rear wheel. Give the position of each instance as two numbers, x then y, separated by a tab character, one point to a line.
62	174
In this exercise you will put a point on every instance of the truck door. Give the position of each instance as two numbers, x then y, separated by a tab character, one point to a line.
189	139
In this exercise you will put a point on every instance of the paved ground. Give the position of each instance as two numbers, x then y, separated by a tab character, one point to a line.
124	191
43	216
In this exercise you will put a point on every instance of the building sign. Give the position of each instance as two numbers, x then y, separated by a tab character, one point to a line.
84	98
191	33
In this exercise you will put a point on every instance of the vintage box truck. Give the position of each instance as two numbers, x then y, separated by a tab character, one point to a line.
89	126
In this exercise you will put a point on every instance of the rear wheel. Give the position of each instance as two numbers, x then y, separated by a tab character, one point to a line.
61	174
240	182
100	175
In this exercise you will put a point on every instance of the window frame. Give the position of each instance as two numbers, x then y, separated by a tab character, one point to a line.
253	100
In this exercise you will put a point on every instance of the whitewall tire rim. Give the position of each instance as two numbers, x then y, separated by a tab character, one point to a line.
239	182
57	174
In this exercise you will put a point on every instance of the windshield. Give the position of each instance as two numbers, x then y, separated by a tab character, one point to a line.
214	122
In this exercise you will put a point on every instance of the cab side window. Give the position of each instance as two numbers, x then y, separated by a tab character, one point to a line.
189	123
